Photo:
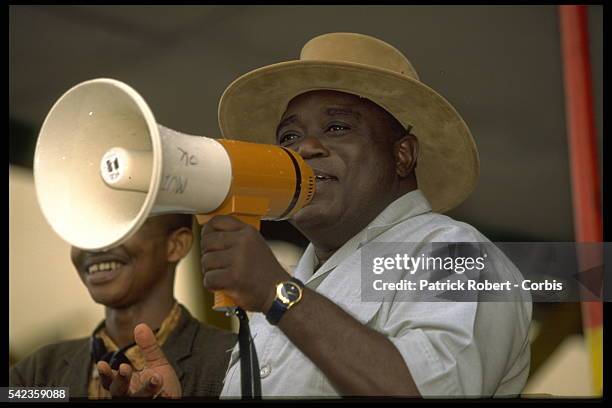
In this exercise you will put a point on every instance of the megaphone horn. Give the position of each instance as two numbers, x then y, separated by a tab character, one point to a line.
103	165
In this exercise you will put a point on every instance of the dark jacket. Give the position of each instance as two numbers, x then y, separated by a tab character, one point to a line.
198	353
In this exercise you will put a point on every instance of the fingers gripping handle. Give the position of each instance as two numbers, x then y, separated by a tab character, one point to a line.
223	302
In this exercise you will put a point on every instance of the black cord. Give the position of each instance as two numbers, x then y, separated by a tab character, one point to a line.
250	379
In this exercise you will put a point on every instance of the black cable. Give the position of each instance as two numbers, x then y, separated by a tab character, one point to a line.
250	379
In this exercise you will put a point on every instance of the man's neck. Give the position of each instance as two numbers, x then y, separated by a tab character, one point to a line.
120	322
327	242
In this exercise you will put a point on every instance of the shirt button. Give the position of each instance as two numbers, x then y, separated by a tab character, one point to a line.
265	371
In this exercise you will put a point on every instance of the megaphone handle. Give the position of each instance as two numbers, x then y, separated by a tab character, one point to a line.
224	303
252	220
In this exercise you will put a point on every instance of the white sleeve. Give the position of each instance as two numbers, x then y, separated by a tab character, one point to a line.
464	349
470	348
436	340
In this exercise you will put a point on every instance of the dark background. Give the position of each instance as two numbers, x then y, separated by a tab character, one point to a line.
500	66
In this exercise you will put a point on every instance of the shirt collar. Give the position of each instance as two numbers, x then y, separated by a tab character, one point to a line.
407	206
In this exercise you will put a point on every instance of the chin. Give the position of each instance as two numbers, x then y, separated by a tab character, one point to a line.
314	217
107	297
107	301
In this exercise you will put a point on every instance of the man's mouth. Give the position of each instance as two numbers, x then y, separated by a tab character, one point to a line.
102	269
323	177
104	266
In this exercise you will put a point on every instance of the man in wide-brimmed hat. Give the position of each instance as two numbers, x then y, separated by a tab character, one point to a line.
390	154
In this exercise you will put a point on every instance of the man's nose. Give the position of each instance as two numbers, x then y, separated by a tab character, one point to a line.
311	147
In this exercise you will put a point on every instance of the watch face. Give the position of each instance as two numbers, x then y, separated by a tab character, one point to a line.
289	292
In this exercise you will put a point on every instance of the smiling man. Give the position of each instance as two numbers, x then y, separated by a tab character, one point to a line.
352	159
135	283
390	155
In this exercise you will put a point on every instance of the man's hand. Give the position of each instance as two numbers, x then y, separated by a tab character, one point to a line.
237	260
357	360
157	378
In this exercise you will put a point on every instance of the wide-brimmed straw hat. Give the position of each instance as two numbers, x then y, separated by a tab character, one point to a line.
448	166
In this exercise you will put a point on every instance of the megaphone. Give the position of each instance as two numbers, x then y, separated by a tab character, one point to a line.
103	165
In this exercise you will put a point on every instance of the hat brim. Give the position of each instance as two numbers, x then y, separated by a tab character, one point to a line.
448	165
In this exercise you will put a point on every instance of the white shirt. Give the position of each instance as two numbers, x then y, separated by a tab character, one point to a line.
451	348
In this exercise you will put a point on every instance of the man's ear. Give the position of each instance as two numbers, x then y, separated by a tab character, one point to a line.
178	244
406	152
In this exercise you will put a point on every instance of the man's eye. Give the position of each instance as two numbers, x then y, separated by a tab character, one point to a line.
287	138
336	127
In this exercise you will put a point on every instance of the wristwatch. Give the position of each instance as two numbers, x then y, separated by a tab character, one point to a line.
287	295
